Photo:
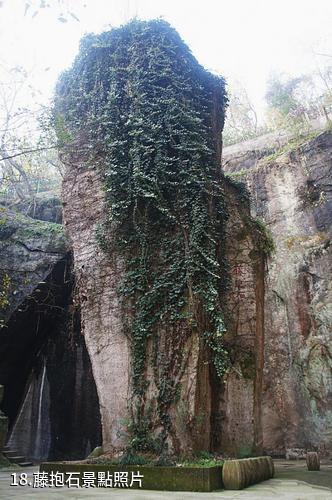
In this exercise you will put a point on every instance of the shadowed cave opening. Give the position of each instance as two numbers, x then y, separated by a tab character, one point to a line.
50	394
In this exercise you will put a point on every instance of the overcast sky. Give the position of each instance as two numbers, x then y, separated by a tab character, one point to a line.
242	39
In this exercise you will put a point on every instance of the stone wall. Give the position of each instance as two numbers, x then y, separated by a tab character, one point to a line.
241	402
29	249
96	281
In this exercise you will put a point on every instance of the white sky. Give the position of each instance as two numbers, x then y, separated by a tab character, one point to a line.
240	39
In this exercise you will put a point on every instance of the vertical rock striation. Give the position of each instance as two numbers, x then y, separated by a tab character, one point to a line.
208	413
291	191
97	279
49	393
159	121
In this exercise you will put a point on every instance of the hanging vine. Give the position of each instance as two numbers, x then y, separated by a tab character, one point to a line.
147	110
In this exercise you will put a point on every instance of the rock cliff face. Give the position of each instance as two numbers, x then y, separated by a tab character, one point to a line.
45	206
148	211
49	392
155	137
96	281
29	250
207	414
292	192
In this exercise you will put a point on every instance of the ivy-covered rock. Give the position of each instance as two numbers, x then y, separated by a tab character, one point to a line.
144	203
146	106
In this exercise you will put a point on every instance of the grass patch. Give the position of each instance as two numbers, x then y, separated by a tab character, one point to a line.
290	146
204	459
203	462
238	174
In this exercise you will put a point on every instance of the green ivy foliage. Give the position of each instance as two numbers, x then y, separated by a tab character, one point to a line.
153	115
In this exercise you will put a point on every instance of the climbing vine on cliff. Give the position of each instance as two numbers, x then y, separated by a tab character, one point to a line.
149	112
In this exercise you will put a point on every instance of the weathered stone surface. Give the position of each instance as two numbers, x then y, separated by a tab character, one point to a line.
97	280
50	398
179	402
28	249
240	402
292	193
205	414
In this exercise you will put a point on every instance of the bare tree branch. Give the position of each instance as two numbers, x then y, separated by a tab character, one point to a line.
27	151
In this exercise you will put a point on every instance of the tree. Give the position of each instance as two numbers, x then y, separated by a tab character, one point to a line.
28	160
241	117
294	102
